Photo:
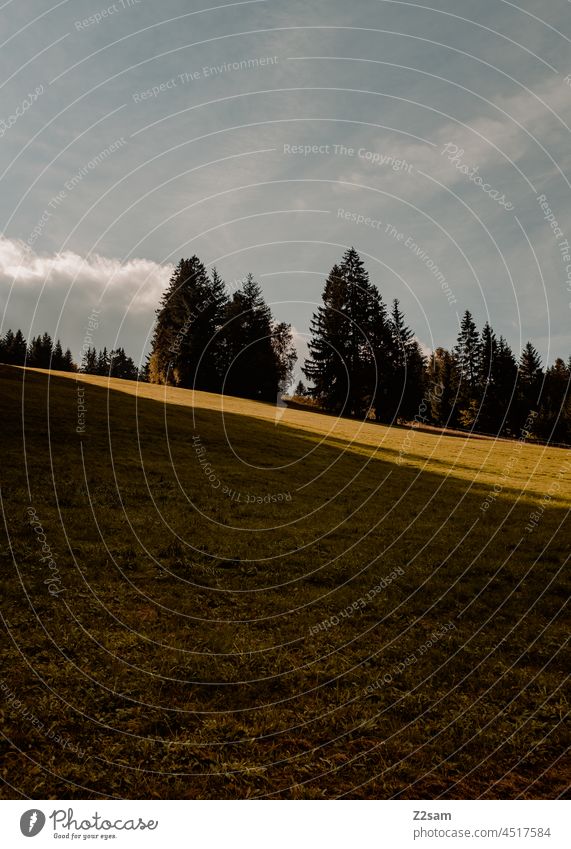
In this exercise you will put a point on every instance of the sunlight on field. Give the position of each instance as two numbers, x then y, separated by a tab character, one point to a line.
520	467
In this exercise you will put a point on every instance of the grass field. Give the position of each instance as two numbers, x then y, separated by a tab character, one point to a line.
239	601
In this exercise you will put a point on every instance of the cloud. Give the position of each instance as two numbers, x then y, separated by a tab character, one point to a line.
140	281
57	292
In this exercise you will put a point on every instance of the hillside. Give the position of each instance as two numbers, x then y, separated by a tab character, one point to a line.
251	601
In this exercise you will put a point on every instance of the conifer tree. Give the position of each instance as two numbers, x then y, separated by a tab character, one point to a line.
57	357
529	383
326	367
467	353
406	370
341	363
258	352
102	366
187	347
89	361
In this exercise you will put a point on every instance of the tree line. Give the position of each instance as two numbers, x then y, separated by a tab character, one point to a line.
208	339
365	361
41	352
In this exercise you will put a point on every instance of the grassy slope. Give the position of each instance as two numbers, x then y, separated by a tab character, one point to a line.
180	656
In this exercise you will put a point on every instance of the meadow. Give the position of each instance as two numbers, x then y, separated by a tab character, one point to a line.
207	597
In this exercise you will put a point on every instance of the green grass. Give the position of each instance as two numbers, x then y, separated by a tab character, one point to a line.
184	659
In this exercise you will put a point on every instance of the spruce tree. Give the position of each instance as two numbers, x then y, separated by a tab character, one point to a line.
405	368
442	383
529	383
467	353
102	366
258	352
326	367
187	346
68	363
57	361
341	363
89	361
13	348
40	352
19	349
554	422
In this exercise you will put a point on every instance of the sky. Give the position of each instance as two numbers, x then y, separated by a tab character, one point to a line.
267	136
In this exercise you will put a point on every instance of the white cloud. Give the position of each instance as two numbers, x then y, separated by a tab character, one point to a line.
104	278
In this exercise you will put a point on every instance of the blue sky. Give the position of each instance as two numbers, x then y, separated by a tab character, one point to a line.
134	133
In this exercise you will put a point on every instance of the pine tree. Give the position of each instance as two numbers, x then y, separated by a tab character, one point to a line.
89	361
258	352
529	384
341	363
40	352
406	370
486	388
19	349
284	354
300	389
530	375
467	353
13	348
554	421
57	357
383	364
68	363
122	366
6	346
102	366
442	381
326	367
496	382
187	347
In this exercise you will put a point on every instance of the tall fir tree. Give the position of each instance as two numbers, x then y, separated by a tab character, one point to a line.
102	366
529	383
326	367
406	370
467	353
13	348
554	422
341	363
187	346
442	383
258	352
89	361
